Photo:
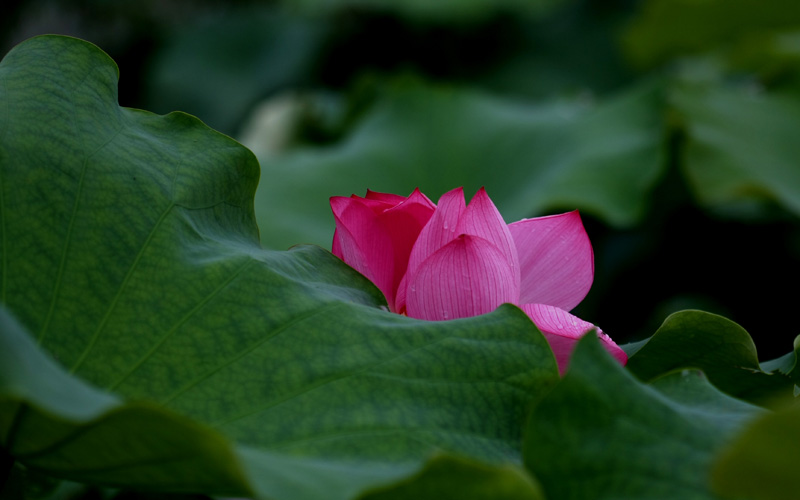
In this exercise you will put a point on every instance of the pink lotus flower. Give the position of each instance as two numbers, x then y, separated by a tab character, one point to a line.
455	260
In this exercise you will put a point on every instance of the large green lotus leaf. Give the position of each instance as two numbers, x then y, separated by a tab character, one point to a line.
761	463
603	159
130	252
55	423
741	148
718	346
669	28
602	434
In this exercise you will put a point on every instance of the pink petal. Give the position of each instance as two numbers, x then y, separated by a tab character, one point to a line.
390	198
336	246
404	223
481	218
556	260
439	231
375	237
467	277
562	331
419	206
362	241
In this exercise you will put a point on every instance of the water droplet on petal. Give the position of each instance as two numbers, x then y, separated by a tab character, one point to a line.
560	326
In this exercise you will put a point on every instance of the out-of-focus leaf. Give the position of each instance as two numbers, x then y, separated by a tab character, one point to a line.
446	477
601	434
442	10
442	476
741	148
130	252
668	28
574	49
218	68
761	463
602	159
718	346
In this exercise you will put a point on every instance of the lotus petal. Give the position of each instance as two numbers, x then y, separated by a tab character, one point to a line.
481	218
562	331
467	277
556	260
375	235
363	242
438	232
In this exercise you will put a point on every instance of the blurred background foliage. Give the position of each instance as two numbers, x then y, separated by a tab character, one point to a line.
673	125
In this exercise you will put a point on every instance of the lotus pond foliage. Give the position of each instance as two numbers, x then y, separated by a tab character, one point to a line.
173	325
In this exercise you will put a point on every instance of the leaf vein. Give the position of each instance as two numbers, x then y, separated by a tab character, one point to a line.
325	381
120	289
300	318
73	216
178	324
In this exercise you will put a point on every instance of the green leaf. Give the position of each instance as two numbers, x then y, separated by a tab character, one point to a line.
718	346
442	476
669	28
130	252
601	434
447	477
761	463
443	11
53	422
602	159
243	54
786	364
741	152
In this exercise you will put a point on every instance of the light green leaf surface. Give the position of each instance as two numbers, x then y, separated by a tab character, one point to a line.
602	434
602	159
718	346
130	252
761	463
741	146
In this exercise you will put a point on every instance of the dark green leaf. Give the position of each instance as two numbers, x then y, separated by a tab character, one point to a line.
443	11
601	434
670	28
217	69
719	347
